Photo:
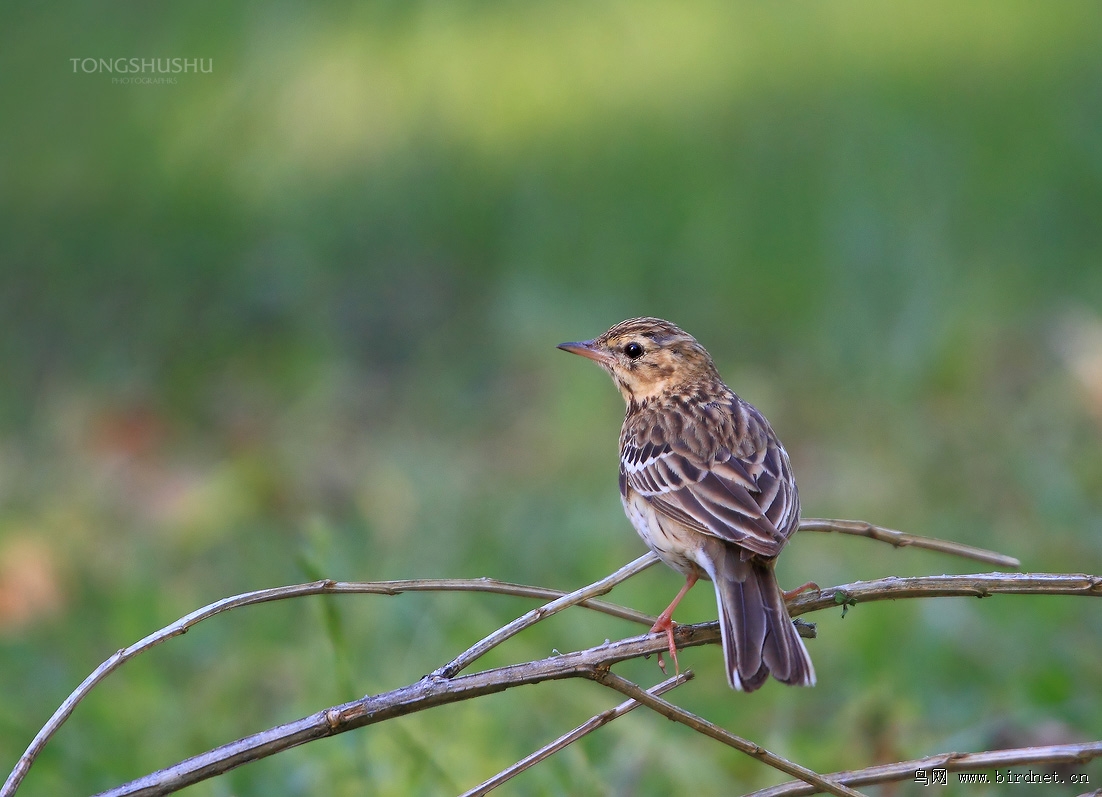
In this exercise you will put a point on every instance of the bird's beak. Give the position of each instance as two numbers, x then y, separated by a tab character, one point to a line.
590	350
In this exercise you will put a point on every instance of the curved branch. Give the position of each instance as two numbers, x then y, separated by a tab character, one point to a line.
590	725
324	587
901	539
427	693
979	585
602	587
700	725
430	692
182	625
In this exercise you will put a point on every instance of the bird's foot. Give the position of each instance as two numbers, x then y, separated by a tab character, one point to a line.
667	625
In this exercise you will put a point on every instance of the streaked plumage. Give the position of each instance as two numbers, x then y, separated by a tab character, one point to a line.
709	488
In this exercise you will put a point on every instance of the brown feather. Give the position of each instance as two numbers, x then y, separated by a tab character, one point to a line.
709	487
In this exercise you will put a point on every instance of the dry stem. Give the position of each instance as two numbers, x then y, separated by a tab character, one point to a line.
442	687
590	725
701	725
901	539
602	587
430	692
325	587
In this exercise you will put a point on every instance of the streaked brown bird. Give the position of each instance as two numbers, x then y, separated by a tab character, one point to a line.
709	488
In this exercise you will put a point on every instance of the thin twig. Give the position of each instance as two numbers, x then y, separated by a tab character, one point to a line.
951	762
479	649
489	585
427	693
324	587
590	725
701	725
901	539
932	586
856	527
978	585
410	585
431	692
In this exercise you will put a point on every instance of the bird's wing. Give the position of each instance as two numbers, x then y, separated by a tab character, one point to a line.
738	486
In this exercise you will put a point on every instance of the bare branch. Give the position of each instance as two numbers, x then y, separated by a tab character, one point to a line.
701	725
952	762
489	585
978	585
182	625
566	739
325	587
464	659
901	539
429	692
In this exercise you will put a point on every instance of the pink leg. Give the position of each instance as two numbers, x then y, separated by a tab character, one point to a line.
665	623
792	593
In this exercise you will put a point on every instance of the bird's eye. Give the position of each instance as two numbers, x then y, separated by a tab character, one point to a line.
633	350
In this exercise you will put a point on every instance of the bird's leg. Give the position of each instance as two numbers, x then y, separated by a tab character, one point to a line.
665	623
792	593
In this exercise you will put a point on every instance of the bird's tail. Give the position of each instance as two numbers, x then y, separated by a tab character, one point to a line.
758	635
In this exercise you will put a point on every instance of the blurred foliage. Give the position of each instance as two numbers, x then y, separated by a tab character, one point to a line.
298	316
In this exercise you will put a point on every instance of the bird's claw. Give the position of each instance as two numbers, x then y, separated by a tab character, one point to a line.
668	628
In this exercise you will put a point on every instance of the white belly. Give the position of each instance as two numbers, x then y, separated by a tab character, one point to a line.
675	545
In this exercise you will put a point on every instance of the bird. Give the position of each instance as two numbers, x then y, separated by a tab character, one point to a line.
708	486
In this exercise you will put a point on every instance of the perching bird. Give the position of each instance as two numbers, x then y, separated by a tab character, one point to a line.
709	488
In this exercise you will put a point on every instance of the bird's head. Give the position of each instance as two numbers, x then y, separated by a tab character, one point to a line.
647	357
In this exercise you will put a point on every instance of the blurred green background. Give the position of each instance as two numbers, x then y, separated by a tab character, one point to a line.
296	318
